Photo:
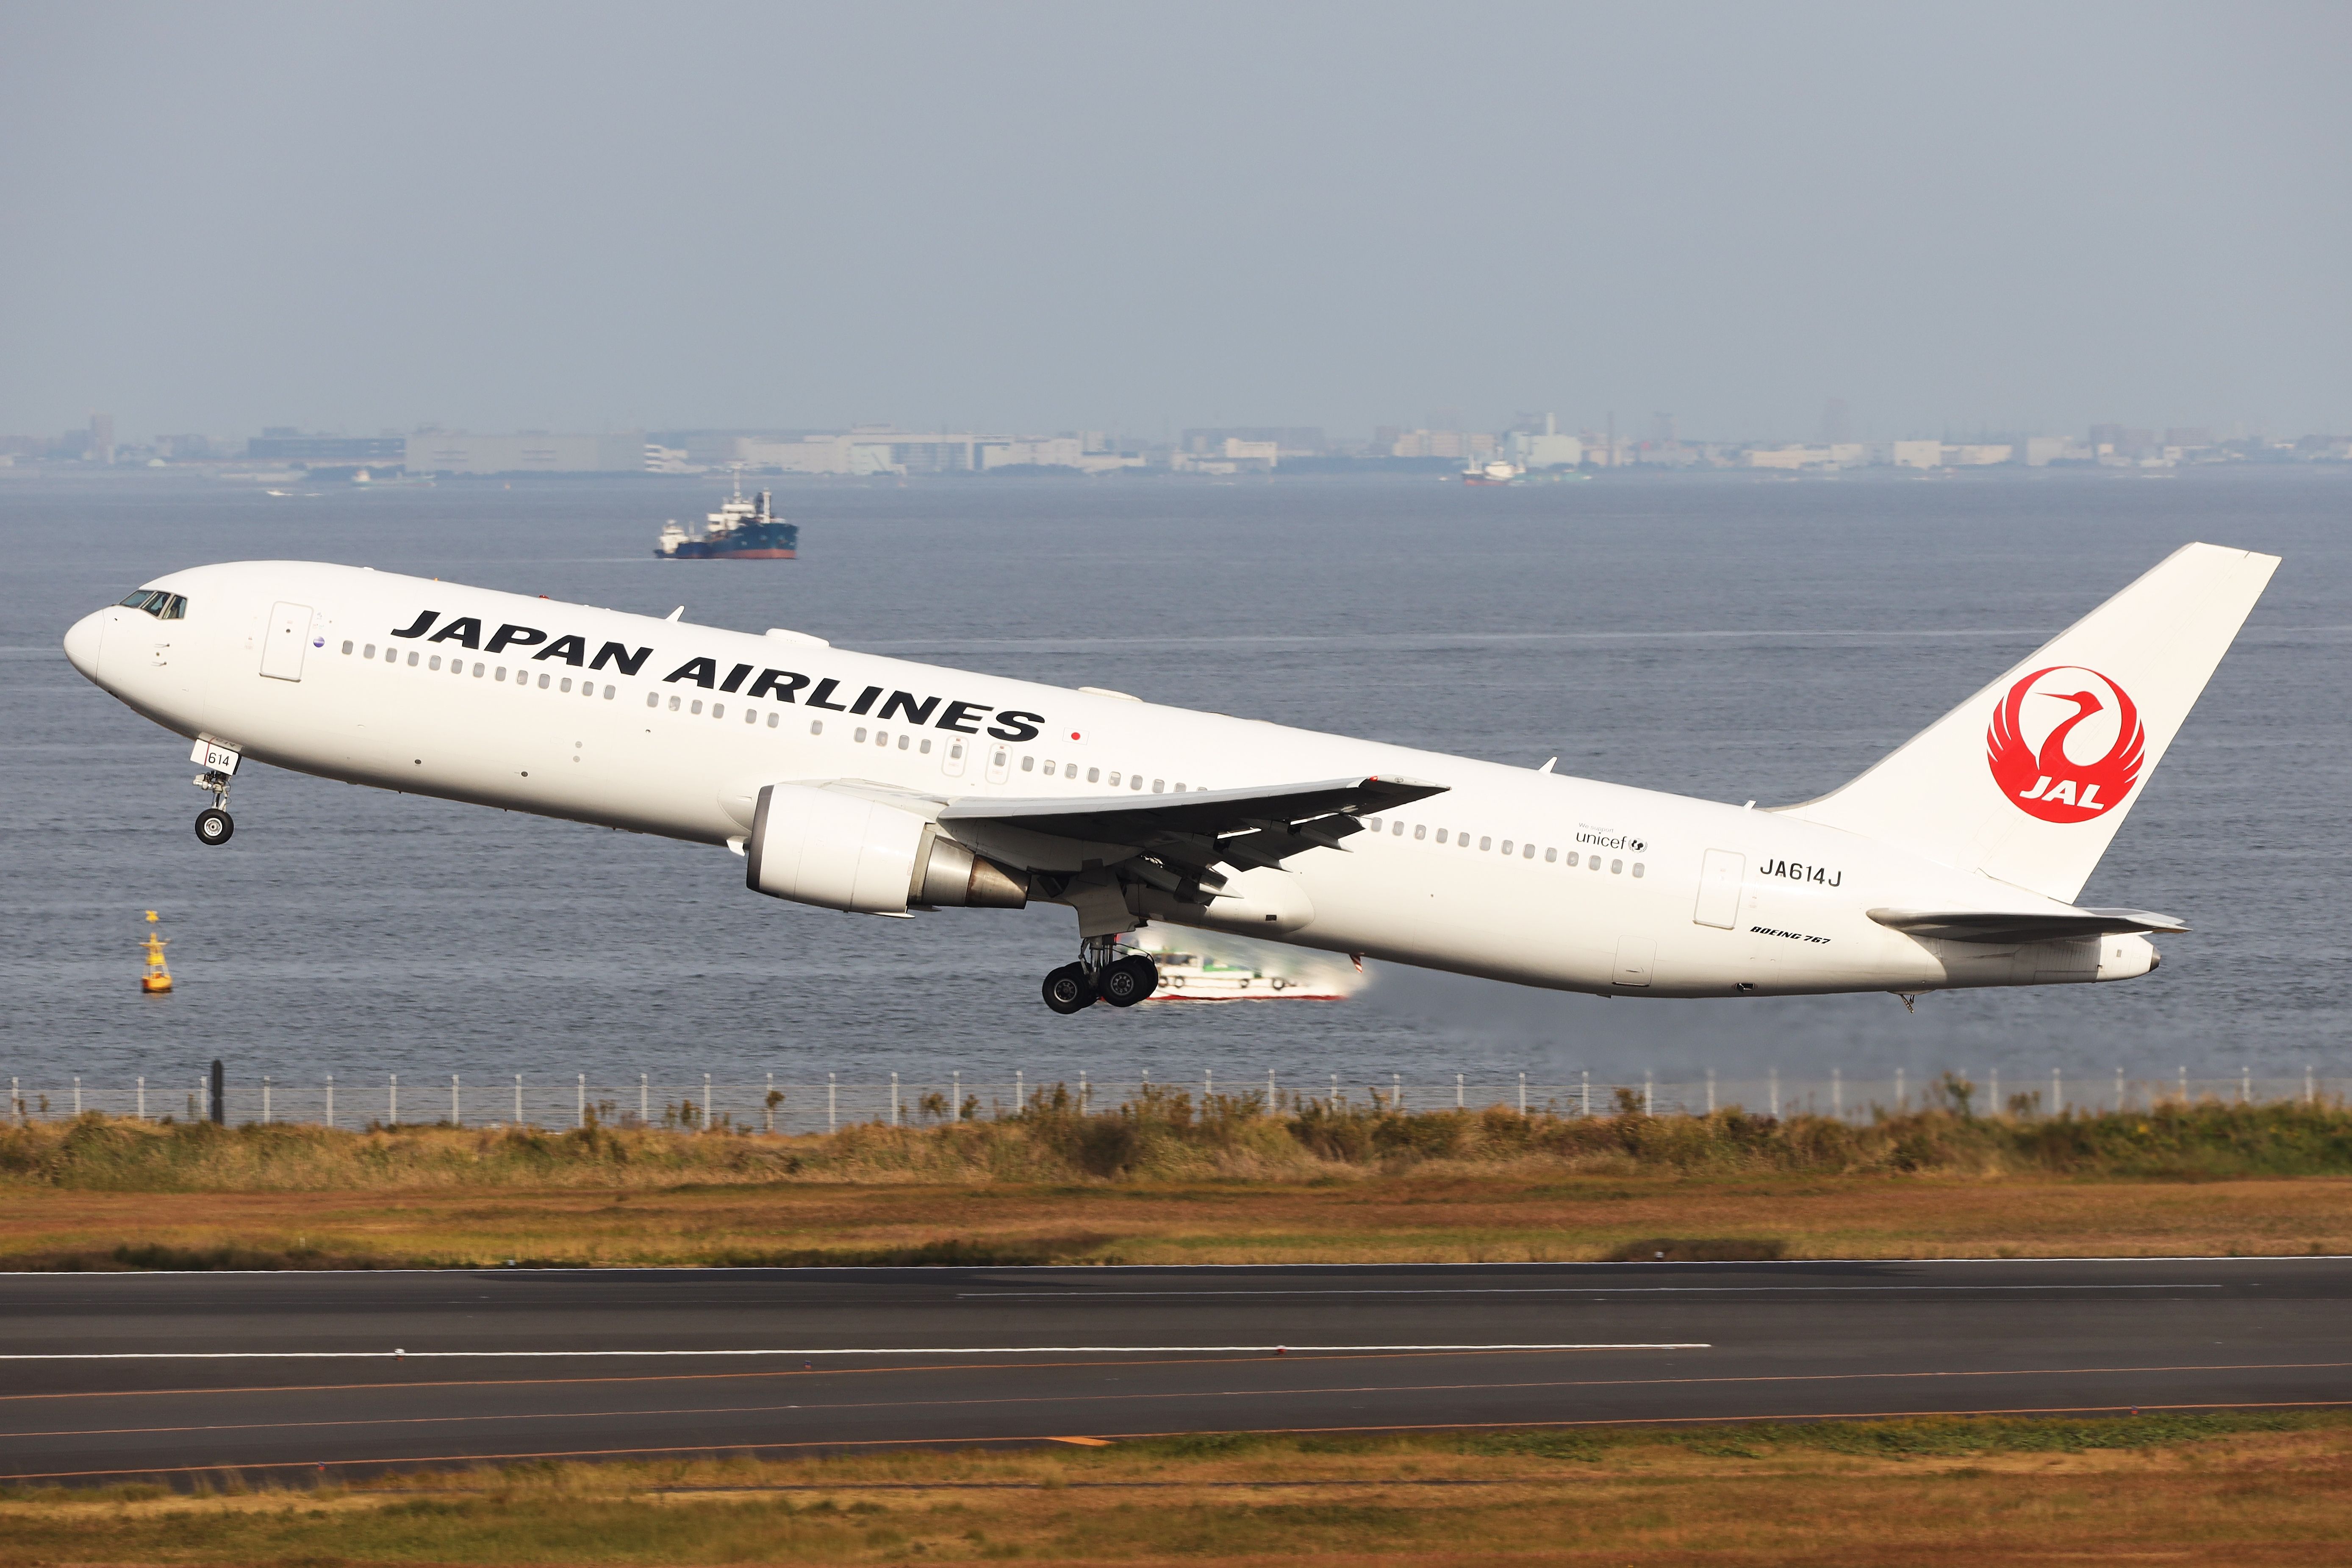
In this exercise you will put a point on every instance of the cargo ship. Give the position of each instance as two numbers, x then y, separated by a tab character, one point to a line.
744	527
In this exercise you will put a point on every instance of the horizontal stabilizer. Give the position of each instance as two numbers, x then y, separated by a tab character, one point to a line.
2023	925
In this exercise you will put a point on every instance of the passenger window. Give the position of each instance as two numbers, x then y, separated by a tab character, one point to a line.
1637	867
369	652
1135	781
1180	786
696	707
750	716
1507	846
674	702
478	672
1441	835
433	662
774	719
1462	838
1529	852
1049	768
1373	823
1028	763
860	736
925	748
608	692
1616	867
903	740
653	699
543	679
1156	788
1114	779
1420	830
817	727
499	674
881	737
1571	859
1485	842
1550	855
347	646
1396	829
1095	773
564	685
717	710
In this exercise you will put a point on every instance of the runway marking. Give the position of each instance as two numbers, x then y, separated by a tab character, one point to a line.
1556	1291
1293	1393
756	1448
890	1350
1034	1366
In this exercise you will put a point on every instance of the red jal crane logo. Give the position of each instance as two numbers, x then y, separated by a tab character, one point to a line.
2065	745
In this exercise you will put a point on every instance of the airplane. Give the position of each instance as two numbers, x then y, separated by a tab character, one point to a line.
882	787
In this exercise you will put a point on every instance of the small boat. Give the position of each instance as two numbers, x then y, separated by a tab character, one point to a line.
1235	969
744	527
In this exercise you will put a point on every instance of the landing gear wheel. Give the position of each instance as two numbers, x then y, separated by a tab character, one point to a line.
1068	990
214	825
1127	981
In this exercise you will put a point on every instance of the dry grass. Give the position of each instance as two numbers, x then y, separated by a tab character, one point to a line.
1429	1218
2242	1491
1165	1181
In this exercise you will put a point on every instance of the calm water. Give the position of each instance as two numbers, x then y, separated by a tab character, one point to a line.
1720	636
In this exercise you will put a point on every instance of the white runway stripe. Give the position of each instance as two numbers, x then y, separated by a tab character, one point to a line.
856	1350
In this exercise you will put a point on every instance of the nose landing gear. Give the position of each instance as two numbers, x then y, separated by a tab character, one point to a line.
1101	973
214	824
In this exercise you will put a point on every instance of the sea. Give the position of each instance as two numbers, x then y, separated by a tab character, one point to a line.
1732	636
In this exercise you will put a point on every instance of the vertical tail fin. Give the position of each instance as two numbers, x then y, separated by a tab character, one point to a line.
2028	780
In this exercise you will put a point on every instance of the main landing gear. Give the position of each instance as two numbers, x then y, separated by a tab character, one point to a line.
1101	973
214	824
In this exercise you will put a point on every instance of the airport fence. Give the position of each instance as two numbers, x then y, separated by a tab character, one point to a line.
774	1105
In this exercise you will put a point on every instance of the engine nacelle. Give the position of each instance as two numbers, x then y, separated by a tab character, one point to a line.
844	851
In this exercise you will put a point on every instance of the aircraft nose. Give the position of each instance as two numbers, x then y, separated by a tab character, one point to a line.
84	640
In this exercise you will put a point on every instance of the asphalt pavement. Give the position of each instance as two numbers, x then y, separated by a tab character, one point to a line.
108	1375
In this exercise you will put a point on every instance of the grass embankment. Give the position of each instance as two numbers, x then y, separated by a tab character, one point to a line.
2241	1489
1167	1180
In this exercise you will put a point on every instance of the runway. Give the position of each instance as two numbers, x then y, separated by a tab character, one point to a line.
106	1374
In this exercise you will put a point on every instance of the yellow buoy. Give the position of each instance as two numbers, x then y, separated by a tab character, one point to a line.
157	978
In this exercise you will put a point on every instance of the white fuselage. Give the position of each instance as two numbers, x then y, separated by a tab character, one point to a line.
663	727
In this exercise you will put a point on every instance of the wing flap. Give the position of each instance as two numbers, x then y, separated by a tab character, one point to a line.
2006	926
1200	827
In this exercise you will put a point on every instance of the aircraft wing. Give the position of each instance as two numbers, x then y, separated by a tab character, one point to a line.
1258	827
2024	926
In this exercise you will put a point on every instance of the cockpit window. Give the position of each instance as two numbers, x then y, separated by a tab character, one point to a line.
163	606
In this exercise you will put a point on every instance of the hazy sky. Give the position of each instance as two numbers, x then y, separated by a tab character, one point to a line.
1048	216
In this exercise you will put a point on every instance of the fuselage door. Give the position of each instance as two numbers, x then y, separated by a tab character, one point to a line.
1000	761
1719	875
281	648
957	748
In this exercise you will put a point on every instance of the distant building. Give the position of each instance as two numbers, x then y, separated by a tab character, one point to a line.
869	450
1917	454
539	454
660	459
1835	454
1440	443
1545	448
2040	451
286	446
1289	441
1978	455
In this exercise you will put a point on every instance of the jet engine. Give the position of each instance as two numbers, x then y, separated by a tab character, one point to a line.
847	853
